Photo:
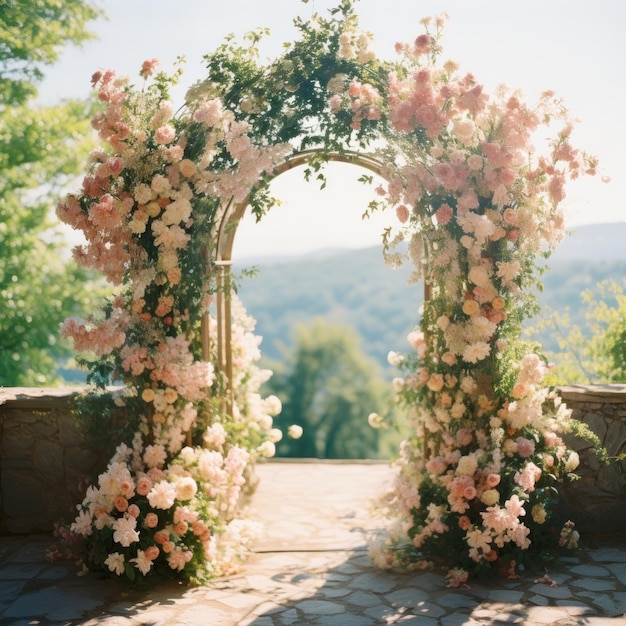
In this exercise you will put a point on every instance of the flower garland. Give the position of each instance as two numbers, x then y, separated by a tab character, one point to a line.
146	210
477	480
476	205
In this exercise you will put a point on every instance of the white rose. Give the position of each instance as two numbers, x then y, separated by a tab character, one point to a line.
295	431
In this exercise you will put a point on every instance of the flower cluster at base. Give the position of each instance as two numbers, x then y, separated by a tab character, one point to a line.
146	518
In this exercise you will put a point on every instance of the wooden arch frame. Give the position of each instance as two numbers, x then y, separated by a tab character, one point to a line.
225	231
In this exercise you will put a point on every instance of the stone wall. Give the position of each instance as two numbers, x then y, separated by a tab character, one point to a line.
47	460
597	502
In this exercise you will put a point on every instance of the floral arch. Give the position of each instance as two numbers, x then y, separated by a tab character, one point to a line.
476	204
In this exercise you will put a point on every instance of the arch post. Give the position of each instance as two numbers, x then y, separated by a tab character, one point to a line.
224	330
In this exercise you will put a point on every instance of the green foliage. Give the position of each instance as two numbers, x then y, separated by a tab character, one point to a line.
32	35
41	149
593	352
39	285
329	387
109	418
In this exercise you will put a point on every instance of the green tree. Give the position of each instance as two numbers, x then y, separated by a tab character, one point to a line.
32	35
596	352
41	151
329	388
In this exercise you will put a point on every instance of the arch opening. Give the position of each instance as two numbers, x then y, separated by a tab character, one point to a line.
227	231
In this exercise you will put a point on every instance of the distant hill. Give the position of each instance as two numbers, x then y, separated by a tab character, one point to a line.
356	287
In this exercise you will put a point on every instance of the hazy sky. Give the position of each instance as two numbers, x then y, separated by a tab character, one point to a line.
574	47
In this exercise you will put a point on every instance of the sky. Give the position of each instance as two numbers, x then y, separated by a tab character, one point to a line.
574	47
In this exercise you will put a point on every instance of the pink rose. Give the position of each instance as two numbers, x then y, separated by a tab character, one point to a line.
121	504
444	214
164	135
464	436
402	213
148	67
152	520
152	552
493	480
435	382
469	493
415	338
422	44
335	103
525	447
144	485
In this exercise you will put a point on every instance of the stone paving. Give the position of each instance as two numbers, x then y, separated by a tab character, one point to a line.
311	567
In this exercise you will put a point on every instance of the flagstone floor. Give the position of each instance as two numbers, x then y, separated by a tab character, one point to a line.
311	567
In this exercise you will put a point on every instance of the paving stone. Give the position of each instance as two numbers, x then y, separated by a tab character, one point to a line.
410	597
319	587
53	604
430	609
289	617
575	607
319	607
362	599
608	555
457	619
257	621
551	592
241	600
620	601
335	592
594	584
373	580
545	614
505	595
343	619
590	570
600	621
417	621
457	600
385	614
485	613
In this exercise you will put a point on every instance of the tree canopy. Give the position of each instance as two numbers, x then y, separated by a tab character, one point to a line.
41	150
329	387
32	35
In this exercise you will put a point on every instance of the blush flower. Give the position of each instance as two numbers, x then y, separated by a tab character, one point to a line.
115	563
476	352
162	495
142	562
124	531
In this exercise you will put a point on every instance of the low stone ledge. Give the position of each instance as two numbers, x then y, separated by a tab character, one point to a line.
597	501
47	461
46	458
597	394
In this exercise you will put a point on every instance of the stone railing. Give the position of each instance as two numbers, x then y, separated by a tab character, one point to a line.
47	459
597	502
